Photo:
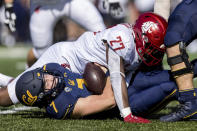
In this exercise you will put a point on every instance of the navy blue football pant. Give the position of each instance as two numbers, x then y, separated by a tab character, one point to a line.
151	91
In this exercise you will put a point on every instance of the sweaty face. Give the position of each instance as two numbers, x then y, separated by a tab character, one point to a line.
50	82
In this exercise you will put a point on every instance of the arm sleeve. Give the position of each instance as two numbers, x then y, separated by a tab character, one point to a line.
116	77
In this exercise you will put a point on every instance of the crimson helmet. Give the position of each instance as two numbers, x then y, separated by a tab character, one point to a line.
149	31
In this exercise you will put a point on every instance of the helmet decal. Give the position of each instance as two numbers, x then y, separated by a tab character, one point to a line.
65	74
149	26
44	67
29	99
38	74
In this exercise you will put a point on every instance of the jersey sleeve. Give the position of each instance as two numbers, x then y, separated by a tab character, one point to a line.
182	23
62	107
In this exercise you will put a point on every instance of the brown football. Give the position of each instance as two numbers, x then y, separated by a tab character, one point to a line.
95	78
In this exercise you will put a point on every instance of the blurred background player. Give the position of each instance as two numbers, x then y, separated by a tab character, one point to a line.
10	16
16	18
113	11
7	17
44	15
139	6
120	11
161	7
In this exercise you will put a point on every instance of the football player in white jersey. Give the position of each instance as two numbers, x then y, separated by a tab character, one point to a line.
10	16
44	15
121	49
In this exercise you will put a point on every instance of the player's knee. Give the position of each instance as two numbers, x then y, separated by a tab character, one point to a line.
168	87
4	98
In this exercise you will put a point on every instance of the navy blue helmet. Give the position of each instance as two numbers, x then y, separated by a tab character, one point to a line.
30	88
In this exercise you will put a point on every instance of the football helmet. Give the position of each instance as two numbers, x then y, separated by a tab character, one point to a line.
149	31
30	88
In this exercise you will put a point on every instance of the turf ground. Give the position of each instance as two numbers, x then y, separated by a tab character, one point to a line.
12	62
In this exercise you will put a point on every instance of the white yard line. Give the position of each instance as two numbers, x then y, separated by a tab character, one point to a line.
16	109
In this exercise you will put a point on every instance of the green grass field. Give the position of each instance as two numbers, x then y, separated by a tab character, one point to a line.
12	62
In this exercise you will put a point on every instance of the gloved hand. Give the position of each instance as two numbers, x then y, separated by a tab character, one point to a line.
134	119
10	17
115	9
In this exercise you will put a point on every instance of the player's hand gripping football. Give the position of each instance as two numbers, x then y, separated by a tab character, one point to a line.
135	119
10	17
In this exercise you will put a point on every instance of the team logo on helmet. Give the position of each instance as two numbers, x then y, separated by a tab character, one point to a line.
29	99
149	26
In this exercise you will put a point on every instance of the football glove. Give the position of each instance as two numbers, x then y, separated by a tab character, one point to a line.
115	9
134	119
112	7
10	17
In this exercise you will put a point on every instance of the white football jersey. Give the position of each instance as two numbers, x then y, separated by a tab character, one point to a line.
90	48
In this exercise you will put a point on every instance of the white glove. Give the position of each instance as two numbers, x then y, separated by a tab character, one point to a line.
113	7
10	17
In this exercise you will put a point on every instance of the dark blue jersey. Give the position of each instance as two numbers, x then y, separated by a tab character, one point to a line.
182	23
63	105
